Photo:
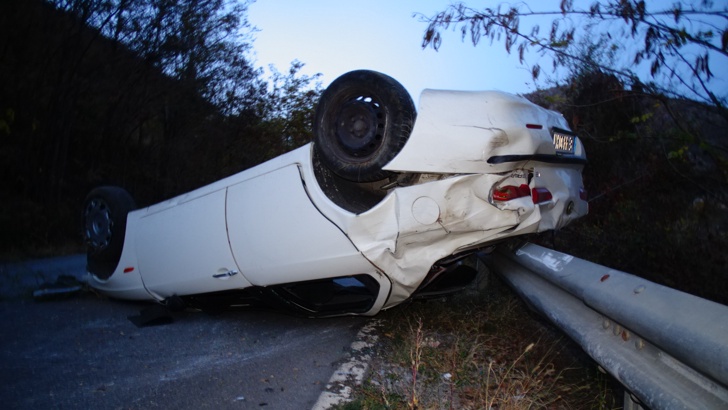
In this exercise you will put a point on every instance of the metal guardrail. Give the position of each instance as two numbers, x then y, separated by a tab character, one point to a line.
668	348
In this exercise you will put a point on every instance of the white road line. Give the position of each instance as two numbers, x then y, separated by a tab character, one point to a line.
351	373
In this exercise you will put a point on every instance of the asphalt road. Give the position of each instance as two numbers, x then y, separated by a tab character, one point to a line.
83	352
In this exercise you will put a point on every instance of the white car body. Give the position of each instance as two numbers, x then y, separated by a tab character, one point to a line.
274	224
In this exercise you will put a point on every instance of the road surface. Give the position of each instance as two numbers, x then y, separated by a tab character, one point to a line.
83	352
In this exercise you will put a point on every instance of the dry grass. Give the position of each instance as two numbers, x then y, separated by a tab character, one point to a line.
478	350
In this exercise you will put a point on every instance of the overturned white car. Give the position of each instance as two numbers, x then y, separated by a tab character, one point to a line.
379	208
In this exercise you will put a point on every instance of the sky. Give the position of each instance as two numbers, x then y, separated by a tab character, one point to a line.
333	37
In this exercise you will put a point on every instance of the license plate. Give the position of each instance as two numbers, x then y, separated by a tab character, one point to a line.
563	142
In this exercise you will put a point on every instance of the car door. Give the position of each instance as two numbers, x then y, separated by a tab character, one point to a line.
278	236
183	249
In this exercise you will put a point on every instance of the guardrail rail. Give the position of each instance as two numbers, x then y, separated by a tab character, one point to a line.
668	348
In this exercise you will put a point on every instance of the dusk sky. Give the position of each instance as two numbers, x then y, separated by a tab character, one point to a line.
333	37
336	36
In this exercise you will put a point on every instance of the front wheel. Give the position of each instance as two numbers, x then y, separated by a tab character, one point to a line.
363	120
104	219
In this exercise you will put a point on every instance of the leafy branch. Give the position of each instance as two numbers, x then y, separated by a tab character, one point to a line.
680	43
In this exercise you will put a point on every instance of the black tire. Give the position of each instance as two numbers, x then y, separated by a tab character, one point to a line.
363	120
104	228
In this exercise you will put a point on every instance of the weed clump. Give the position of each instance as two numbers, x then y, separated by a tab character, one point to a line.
478	350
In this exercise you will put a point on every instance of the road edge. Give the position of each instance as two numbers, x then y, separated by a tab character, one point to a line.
351	373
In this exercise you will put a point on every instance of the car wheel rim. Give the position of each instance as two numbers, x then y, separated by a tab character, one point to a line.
98	224
360	126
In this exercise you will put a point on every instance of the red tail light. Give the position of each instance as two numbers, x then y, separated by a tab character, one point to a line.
540	195
509	192
583	194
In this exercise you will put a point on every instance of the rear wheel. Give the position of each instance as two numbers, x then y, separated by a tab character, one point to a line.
104	218
363	120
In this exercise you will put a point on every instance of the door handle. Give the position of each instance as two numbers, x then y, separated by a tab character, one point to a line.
225	275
